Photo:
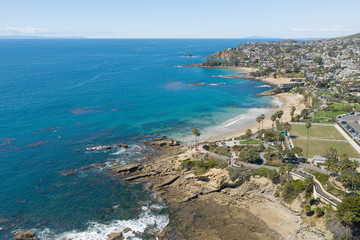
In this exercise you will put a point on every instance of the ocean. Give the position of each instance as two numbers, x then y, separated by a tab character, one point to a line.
60	96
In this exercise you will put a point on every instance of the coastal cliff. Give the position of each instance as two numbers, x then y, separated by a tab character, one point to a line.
213	205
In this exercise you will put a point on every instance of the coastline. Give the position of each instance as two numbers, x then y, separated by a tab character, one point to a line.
282	101
287	101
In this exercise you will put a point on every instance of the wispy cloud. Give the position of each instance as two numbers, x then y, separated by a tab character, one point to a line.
23	30
325	29
36	31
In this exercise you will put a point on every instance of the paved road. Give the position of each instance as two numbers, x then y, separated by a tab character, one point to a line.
318	189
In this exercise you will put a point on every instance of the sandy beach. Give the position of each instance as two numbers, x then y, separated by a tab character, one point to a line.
237	126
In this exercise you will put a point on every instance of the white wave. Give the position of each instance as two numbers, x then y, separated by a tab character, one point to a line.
234	121
263	86
147	221
222	76
120	151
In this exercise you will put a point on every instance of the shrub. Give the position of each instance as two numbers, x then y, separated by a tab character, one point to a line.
319	211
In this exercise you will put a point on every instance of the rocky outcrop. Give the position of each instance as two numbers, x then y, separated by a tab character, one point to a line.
29	235
162	143
126	169
115	236
159	138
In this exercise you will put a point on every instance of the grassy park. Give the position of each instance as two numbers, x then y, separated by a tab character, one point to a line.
318	147
316	131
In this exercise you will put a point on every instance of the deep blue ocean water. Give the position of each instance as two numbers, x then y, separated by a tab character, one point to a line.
59	96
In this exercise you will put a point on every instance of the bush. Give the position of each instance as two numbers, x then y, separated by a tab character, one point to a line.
188	165
234	173
288	192
319	211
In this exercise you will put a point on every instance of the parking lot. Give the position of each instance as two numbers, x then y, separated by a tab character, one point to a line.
351	123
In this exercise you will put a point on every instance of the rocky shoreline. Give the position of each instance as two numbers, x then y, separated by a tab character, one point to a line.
213	206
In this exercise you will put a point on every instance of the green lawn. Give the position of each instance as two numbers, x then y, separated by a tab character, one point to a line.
320	132
250	142
317	147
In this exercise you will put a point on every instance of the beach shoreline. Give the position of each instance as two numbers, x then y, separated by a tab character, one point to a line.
287	100
282	101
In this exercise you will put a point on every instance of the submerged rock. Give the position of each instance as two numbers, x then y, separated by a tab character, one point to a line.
29	235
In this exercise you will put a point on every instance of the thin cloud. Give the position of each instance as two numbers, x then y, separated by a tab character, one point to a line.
331	29
22	30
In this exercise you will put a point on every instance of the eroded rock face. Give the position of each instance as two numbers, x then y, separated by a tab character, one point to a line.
115	236
29	235
161	143
126	169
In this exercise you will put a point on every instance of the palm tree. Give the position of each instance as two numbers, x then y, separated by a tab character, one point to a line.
262	120
287	127
292	112
273	119
280	114
328	164
288	167
307	125
308	184
197	135
348	219
258	119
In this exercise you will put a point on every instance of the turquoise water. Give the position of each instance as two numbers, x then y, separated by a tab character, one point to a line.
58	97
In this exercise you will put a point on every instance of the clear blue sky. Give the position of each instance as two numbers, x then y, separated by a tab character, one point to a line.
180	19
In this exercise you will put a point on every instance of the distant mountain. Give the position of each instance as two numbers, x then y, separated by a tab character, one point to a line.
261	38
36	37
288	41
357	35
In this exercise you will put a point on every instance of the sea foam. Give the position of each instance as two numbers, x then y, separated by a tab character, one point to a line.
148	221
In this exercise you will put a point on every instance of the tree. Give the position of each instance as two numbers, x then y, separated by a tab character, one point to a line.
331	159
292	112
287	126
348	219
258	119
248	134
308	185
308	126
197	135
349	204
262	120
319	211
252	156
279	114
273	119
318	60
288	154
297	150
328	164
304	113
307	208
288	167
